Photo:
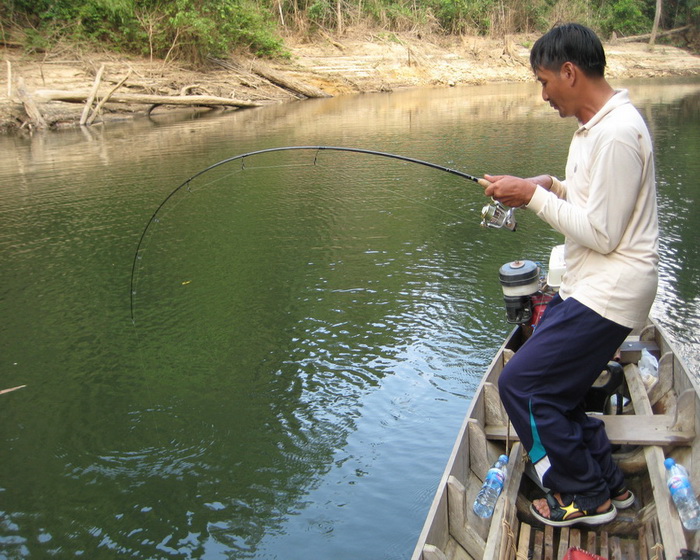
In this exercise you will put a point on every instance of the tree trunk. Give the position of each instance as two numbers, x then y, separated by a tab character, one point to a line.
281	79
655	27
646	36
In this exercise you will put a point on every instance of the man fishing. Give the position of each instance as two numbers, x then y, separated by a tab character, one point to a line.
606	209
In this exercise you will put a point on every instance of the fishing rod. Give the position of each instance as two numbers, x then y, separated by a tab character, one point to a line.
494	215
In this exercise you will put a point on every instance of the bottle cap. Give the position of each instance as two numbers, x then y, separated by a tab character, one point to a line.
668	463
503	458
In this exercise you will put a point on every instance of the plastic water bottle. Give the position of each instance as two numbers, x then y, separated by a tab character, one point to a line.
493	484
683	495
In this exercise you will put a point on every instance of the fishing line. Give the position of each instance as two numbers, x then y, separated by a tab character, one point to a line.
187	185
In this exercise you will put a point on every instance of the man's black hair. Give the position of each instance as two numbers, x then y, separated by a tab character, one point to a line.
570	42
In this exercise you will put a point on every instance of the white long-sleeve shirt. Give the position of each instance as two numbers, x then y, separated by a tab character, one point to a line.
606	208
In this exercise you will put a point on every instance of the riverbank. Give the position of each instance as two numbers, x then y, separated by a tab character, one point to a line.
355	63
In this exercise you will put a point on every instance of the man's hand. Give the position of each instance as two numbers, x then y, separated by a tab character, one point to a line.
509	190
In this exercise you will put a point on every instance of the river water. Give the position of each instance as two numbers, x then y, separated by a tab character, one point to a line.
285	373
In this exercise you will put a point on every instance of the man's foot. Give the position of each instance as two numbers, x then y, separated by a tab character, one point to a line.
623	498
551	510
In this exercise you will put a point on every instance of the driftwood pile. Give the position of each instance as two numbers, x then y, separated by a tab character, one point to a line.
94	102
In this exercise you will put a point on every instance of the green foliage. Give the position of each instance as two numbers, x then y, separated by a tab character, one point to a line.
196	29
320	13
463	16
188	29
625	17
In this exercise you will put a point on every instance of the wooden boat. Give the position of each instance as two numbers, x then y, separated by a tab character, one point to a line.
659	421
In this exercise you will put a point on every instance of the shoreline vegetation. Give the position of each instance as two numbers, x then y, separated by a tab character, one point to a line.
67	86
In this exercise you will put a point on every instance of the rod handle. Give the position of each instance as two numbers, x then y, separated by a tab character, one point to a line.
483	182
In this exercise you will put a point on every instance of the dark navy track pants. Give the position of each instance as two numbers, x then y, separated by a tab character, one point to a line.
542	388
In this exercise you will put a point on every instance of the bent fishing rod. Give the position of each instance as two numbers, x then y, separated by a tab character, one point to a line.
494	215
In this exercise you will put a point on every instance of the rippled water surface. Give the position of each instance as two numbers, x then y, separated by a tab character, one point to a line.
308	327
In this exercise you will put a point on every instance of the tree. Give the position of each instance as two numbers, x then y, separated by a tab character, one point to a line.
655	27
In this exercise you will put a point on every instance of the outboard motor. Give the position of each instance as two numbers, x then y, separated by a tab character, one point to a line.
520	281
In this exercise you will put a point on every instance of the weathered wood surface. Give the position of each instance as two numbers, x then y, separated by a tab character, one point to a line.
647	36
92	95
77	96
658	429
286	81
106	98
30	106
669	522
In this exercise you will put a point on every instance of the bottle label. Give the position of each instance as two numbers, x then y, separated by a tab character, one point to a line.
495	475
676	483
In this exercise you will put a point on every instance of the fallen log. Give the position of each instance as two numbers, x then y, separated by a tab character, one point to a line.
647	36
285	81
44	95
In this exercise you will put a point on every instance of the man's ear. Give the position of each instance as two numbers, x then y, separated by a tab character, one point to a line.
569	72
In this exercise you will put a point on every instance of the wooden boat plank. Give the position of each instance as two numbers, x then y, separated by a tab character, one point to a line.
563	542
591	542
431	552
643	544
669	522
466	534
538	545
631	349
505	507
494	413
665	379
548	551
480	456
657	429
524	542
455	552
575	538
615	550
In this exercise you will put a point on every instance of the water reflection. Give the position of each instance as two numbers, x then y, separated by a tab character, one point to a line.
307	334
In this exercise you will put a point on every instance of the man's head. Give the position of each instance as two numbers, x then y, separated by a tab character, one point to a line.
569	62
570	42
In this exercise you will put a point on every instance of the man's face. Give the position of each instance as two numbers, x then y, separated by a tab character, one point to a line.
556	90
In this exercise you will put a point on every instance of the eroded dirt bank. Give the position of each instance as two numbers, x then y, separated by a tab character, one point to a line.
360	63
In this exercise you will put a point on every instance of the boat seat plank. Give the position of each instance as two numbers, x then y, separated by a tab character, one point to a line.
630	429
631	349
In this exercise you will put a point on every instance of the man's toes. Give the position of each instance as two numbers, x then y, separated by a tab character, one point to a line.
541	506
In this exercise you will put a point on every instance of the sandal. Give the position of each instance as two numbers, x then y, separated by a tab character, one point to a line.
622	503
571	514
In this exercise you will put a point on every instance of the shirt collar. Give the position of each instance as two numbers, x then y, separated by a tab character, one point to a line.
620	97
